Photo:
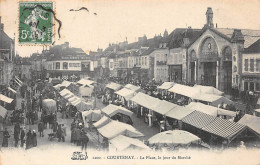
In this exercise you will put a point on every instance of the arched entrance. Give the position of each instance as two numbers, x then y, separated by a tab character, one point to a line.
207	62
227	69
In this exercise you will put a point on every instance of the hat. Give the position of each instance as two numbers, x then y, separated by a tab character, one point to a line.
80	124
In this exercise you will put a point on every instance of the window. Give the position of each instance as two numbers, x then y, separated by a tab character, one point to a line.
142	60
258	65
245	86
246	65
252	86
65	65
145	61
57	65
252	63
257	86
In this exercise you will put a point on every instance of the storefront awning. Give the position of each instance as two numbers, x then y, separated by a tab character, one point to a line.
179	112
126	93
112	110
85	91
164	107
82	106
113	86
5	99
198	119
184	90
91	115
57	87
210	110
102	122
3	111
208	90
122	142
213	99
251	121
74	98
146	101
12	90
64	92
115	128
65	83
224	128
166	85
69	95
85	82
133	87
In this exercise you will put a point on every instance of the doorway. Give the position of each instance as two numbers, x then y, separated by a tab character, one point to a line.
227	68
209	77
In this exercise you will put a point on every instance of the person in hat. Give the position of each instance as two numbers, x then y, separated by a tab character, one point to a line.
16	133
77	136
41	128
6	135
29	139
34	139
84	139
22	136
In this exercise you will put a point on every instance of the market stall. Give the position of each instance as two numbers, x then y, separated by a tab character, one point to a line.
124	96
133	87
211	110
252	122
114	86
171	139
86	91
5	99
146	105
3	111
123	143
85	82
208	90
115	128
118	113
91	116
213	100
102	122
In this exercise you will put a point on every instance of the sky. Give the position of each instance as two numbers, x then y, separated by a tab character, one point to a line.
117	20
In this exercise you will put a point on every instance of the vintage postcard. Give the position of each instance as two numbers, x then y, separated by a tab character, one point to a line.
127	82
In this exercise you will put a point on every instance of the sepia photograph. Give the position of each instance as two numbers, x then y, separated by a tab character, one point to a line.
129	82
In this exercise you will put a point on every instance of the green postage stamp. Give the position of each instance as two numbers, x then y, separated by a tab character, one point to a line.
36	23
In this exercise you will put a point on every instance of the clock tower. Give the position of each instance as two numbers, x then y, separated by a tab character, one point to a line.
209	18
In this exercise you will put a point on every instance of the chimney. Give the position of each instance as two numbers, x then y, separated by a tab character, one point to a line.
237	36
67	44
140	39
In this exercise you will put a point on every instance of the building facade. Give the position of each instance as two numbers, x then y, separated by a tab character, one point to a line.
251	68
7	54
160	64
69	62
215	58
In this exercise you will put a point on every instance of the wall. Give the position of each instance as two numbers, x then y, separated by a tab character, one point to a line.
160	64
221	43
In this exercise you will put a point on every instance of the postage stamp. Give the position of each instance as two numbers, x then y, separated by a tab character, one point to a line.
35	23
